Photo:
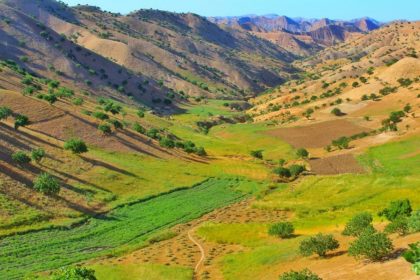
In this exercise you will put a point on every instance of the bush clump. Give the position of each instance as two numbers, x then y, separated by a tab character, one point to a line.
21	157
319	244
357	224
283	230
77	146
300	275
46	184
372	245
74	273
37	154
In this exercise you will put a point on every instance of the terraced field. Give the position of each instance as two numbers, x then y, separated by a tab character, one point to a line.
123	229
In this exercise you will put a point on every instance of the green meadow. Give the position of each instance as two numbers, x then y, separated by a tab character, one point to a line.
125	228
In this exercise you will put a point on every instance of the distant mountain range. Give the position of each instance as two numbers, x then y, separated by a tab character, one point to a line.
299	35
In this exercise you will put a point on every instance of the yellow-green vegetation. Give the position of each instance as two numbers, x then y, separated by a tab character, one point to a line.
394	175
123	229
144	271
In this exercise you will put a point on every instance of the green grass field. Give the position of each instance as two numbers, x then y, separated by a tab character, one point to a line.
123	229
145	271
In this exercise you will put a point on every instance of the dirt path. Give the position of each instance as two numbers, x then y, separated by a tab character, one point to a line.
199	247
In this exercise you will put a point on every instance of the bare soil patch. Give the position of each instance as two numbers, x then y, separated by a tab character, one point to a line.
317	135
336	165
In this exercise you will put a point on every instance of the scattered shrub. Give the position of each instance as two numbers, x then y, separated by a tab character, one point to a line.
21	120
414	221
5	112
46	184
397	209
77	146
100	115
319	244
37	154
167	142
302	153
78	101
283	230
257	154
282	172
372	245
357	224
74	273
138	128
399	225
412	255
105	129
300	275
21	157
296	170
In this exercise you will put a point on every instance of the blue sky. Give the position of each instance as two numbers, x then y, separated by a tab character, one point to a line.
383	10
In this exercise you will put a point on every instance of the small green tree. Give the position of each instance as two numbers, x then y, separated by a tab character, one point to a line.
37	154
167	142
257	154
140	113
5	112
117	124
282	229
412	255
341	143
21	120
74	273
396	209
296	170
46	184
282	162
21	157
300	275
200	151
357	224
302	153
399	225
77	146
336	112
319	244
372	245
105	129
100	115
78	101
138	128
414	222
282	172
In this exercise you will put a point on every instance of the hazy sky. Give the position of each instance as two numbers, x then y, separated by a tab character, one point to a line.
383	10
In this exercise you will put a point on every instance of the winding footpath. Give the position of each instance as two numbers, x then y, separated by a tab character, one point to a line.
199	247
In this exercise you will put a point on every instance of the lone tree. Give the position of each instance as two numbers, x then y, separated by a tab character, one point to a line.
357	224
337	112
77	146
257	154
296	170
105	129
5	112
396	209
21	120
282	229
412	255
300	275
74	273
21	157
37	154
372	245
302	153
46	184
319	244
282	172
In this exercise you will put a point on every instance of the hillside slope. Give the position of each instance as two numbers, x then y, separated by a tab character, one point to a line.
184	52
